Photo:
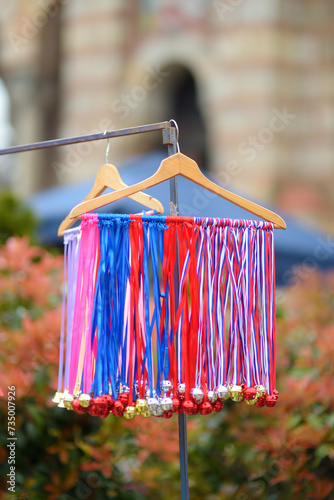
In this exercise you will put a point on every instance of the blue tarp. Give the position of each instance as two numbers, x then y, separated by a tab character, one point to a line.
299	246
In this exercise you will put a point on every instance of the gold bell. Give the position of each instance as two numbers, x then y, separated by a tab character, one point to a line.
260	391
84	400
142	408
68	400
251	402
236	393
130	412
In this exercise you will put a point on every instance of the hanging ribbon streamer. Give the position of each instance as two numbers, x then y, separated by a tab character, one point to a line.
134	341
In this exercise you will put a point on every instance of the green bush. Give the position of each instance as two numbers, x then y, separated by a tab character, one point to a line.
15	218
242	453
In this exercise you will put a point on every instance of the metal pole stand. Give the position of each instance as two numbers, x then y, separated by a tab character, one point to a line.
170	138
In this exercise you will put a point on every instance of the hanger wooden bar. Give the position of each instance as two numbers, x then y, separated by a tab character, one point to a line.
109	177
179	164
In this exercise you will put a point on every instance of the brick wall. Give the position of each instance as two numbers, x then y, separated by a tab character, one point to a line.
263	71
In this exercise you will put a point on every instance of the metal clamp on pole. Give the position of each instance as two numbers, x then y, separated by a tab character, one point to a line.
170	136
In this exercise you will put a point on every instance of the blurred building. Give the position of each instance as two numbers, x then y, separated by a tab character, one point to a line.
251	84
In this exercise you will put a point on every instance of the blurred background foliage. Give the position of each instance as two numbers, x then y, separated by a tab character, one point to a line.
15	218
242	453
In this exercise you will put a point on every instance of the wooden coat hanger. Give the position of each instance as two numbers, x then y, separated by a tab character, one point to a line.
108	177
179	164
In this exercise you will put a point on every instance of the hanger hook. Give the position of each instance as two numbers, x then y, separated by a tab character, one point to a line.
108	146
177	133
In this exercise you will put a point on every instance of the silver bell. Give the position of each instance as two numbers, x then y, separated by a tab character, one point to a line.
223	392
153	405
159	411
166	404
212	396
181	390
166	386
197	394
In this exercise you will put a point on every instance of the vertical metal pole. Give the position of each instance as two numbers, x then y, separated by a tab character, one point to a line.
170	138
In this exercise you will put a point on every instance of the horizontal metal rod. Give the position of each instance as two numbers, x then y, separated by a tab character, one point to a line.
85	138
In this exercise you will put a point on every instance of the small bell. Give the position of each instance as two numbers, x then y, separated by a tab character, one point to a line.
205	408
68	399
159	411
76	406
142	408
181	391
270	400
146	413
166	404
250	394
93	409
217	406
108	399
236	393
167	414
130	412
188	407
260	391
195	409
101	403
85	400
57	397
197	395
251	402
176	405
124	398
261	401
61	399
223	392
117	408
166	386
212	396
103	412
153	405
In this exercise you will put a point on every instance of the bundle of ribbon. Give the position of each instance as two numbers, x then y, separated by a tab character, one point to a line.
134	340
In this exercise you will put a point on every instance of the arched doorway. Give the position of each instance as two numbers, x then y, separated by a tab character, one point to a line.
178	98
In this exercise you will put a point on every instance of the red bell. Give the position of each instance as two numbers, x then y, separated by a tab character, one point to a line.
103	412
217	406
108	399
101	403
250	393
76	406
187	407
195	409
124	398
176	405
167	414
205	408
93	409
270	400
117	408
261	401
